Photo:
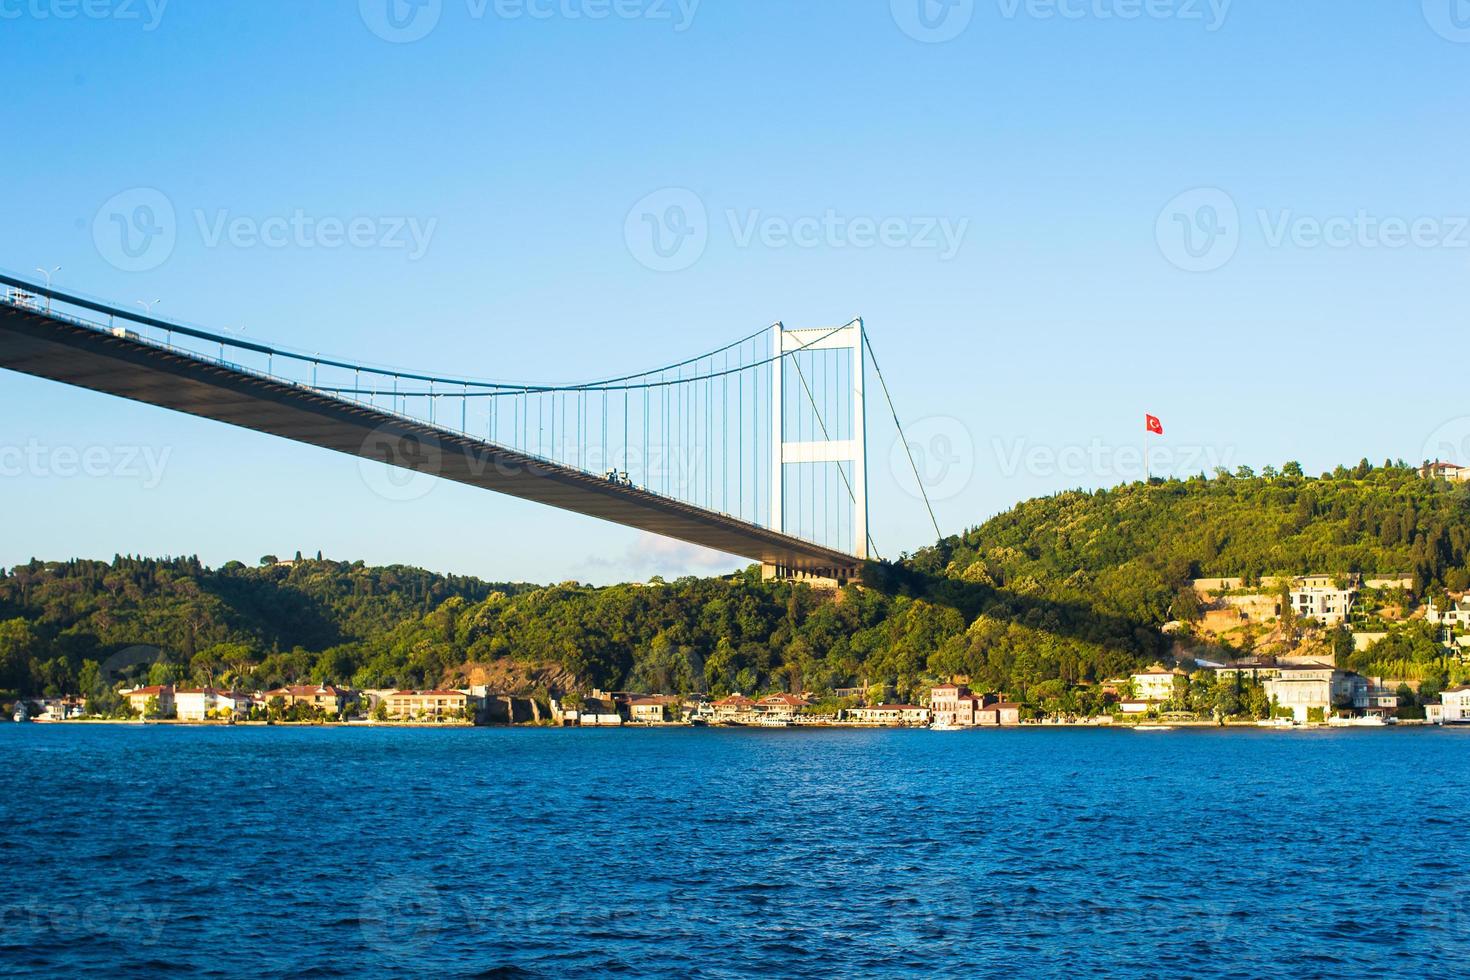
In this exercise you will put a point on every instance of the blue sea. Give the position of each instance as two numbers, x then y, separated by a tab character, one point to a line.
133	851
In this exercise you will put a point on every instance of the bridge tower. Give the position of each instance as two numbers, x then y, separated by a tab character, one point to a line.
852	450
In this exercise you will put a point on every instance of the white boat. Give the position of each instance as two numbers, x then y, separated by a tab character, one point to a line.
945	726
1368	721
1275	723
1153	728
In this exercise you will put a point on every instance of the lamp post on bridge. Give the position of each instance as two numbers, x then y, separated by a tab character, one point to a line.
48	285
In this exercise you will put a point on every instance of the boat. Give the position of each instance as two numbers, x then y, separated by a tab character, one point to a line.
1153	728
1368	721
1275	723
945	726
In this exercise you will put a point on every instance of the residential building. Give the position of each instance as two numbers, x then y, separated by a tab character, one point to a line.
1007	713
426	705
1157	683
1455	706
204	703
955	704
780	707
651	708
59	709
736	708
890	714
1318	597
1445	471
1305	687
325	697
1455	616
139	697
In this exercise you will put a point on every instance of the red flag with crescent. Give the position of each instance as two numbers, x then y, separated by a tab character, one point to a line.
1152	423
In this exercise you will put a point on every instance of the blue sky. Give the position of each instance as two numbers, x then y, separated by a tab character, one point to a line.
1247	218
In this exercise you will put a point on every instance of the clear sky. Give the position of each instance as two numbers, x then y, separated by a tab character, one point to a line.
1247	218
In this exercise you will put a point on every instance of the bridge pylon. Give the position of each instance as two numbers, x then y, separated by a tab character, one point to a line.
852	450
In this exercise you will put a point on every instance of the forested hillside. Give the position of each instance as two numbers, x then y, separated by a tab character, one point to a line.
1060	590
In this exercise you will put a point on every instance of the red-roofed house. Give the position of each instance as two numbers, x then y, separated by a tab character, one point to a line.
780	707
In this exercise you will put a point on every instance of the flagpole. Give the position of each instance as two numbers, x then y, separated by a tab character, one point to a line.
1146	434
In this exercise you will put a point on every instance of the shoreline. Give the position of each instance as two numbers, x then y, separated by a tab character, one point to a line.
824	726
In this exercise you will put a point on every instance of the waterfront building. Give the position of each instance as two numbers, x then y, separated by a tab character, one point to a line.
955	704
426	705
1157	683
138	699
325	697
1007	713
780	707
203	703
890	714
1454	705
651	708
735	708
1305	687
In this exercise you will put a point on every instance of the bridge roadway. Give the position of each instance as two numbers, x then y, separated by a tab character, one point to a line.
120	363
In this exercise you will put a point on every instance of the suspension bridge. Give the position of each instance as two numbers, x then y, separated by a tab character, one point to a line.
756	449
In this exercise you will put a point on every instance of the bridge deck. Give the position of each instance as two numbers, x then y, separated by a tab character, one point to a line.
35	343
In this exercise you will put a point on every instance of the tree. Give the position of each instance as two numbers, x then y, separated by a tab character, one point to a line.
1292	469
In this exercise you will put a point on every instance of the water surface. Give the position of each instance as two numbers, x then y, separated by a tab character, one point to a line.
144	851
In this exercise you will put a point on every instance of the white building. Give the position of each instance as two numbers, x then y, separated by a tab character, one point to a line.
1313	598
1301	688
1454	707
1457	616
203	703
1157	683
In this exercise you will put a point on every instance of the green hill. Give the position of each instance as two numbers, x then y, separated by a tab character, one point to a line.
1054	593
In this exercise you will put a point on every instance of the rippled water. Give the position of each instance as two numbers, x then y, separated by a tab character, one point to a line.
507	853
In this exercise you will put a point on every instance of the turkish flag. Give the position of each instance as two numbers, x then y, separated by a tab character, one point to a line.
1152	423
